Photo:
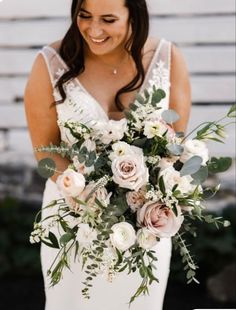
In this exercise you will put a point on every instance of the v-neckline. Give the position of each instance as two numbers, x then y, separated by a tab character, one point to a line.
76	79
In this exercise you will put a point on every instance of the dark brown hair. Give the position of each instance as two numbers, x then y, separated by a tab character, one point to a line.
72	52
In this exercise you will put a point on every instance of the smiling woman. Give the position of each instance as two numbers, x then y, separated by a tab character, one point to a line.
92	75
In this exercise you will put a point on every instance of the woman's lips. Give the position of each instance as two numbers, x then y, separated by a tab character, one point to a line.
98	41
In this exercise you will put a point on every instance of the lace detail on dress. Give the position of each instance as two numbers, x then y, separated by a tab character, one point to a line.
81	106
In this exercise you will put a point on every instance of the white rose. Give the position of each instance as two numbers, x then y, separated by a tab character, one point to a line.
123	236
85	234
195	148
130	171
111	130
146	239
171	177
71	183
122	148
154	129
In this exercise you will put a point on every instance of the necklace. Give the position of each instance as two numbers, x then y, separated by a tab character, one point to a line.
115	69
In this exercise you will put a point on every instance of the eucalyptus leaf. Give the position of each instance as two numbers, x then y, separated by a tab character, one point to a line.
170	116
175	149
191	166
232	111
140	99
200	176
46	168
221	164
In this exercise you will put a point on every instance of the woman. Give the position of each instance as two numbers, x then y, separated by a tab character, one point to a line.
95	73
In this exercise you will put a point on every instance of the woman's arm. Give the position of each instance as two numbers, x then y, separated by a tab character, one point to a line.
41	114
180	90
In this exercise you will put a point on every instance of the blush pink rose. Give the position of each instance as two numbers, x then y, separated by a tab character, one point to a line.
159	219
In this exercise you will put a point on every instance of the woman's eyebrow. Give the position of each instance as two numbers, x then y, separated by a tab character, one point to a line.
105	15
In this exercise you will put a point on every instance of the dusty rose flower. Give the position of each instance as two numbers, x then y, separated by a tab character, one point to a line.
101	194
130	171
135	199
159	219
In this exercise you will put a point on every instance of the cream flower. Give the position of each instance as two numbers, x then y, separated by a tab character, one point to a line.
154	129
159	219
122	148
123	236
110	131
71	183
130	171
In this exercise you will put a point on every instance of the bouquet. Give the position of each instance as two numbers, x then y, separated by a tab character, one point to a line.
130	183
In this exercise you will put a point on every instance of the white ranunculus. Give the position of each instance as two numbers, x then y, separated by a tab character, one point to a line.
86	235
122	148
146	239
123	236
195	148
71	183
154	129
110	131
171	177
130	171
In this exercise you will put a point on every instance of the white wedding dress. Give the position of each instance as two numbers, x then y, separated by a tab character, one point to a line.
66	295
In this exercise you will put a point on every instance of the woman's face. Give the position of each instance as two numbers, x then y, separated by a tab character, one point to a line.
104	25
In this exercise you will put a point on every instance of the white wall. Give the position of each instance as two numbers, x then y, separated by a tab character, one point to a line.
204	30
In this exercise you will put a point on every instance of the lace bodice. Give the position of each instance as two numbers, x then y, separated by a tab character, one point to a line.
81	106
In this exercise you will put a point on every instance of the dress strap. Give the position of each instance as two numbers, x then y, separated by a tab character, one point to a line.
158	73
56	67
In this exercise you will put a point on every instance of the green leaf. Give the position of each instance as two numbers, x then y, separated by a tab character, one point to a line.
221	164
140	99
140	142
200	176
53	239
66	238
191	166
162	185
170	116
157	96
146	93
46	168
175	149
232	111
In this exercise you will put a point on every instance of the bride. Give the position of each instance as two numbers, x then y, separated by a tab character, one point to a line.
94	73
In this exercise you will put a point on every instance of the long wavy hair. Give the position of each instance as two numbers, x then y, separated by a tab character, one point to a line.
72	51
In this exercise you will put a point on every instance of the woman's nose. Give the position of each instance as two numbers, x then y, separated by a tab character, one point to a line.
95	30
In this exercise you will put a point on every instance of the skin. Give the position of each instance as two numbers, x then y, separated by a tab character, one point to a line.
100	58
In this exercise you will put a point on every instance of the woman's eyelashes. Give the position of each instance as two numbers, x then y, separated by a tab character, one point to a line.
109	21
